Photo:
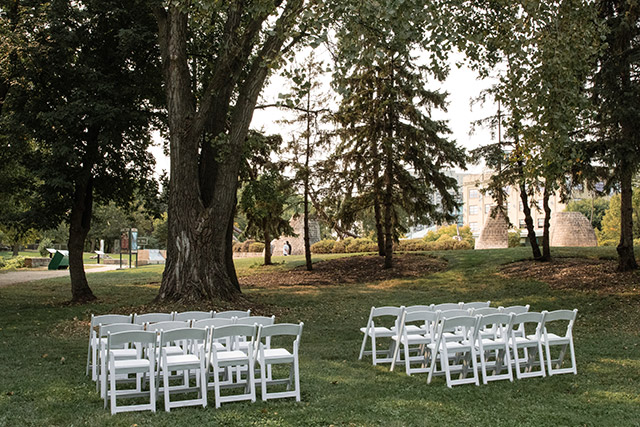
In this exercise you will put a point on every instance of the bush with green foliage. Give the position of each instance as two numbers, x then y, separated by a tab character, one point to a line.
44	244
514	238
339	247
362	245
448	232
597	206
256	247
610	231
323	246
13	263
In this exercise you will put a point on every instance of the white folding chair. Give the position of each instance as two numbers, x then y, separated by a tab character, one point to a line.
231	357
554	366
453	334
141	319
142	364
448	306
530	343
193	359
516	309
493	350
94	344
414	329
414	345
459	356
231	313
375	332
123	353
216	345
474	305
192	315
485	311
267	357
174	349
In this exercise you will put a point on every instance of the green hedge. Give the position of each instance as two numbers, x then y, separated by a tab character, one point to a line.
351	245
12	263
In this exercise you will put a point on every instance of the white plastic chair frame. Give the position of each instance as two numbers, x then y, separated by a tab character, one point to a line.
231	357
141	319
531	343
494	351
554	366
266	357
231	313
192	359
117	353
448	306
174	349
143	364
192	315
465	345
475	304
373	332
421	354
94	344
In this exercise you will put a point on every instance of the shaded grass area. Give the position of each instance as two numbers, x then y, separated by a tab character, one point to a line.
39	387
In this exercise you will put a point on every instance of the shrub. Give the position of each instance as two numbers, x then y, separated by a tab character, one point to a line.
246	244
237	246
609	242
44	244
256	247
514	239
323	246
413	245
450	231
362	245
339	247
13	263
2	263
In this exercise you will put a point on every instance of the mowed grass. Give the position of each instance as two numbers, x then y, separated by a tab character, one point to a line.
43	353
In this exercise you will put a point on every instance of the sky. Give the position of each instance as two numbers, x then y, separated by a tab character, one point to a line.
461	84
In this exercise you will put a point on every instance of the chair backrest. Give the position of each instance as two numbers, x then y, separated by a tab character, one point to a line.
499	323
256	320
466	324
561	316
529	318
426	319
168	326
453	313
152	318
280	329
232	313
113	328
105	319
130	337
484	311
212	323
182	334
413	308
448	306
234	331
515	309
386	311
193	315
477	304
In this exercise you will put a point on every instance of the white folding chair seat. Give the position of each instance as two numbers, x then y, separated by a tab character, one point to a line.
144	364
266	357
415	346
231	313
456	357
232	358
554	366
192	315
476	304
141	319
193	359
95	342
494	351
373	333
117	353
531	344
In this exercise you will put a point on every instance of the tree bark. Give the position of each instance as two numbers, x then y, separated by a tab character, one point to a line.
307	154
377	210
546	248
388	181
529	222
626	257
267	246
16	248
79	226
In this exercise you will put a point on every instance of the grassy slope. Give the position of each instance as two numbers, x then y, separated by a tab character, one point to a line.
336	387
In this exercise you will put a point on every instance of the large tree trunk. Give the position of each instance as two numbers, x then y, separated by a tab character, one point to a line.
307	154
16	248
388	213
546	249
377	210
626	257
528	220
267	246
79	226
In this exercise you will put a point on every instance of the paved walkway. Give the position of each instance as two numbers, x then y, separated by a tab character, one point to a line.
13	277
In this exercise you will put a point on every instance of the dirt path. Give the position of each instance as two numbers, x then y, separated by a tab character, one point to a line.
13	277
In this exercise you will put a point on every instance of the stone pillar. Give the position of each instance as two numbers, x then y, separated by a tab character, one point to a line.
495	233
571	229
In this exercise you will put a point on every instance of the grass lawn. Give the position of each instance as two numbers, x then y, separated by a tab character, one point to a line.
43	351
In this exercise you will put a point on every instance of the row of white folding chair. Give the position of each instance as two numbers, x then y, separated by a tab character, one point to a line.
103	330
146	346
505	339
372	332
106	319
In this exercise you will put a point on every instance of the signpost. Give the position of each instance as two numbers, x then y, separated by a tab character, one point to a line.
129	242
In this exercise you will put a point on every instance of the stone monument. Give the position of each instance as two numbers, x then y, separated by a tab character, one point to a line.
297	243
571	229
495	233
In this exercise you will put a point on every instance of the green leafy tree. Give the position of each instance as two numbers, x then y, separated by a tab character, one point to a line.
592	208
610	228
263	203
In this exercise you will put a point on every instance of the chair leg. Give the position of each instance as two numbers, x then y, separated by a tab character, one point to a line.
166	373
263	380
152	389
573	357
113	392
374	353
216	385
444	360
363	346
547	348
296	365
